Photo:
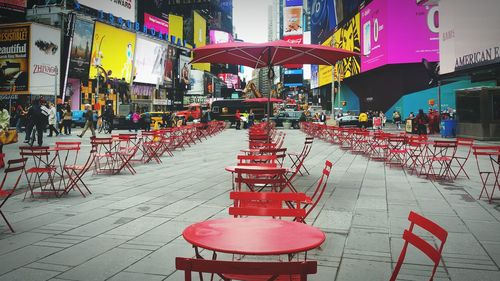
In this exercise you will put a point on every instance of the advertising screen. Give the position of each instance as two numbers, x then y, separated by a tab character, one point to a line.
170	66
292	21
231	80
323	20
149	61
150	13
468	39
314	76
45	60
324	71
155	23
405	33
294	39
176	26
123	8
196	82
79	61
291	3
218	36
113	51
293	78
185	72
13	5
14	55
347	37
200	38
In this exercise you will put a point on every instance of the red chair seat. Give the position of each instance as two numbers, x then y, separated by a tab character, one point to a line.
5	193
40	170
74	167
443	158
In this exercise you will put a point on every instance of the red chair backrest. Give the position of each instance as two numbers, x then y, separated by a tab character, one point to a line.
267	204
250	269
320	188
428	249
14	165
256	159
272	178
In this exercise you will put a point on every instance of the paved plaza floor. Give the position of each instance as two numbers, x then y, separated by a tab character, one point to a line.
130	227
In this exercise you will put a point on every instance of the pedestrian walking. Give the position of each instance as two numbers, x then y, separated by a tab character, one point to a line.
237	118
251	118
363	120
20	118
383	117
135	120
147	121
52	120
37	121
322	118
165	119
4	126
422	121
67	120
89	121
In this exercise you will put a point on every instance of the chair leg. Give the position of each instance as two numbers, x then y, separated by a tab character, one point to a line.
6	221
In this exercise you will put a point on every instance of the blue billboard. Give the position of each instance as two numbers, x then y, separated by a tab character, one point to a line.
291	3
323	19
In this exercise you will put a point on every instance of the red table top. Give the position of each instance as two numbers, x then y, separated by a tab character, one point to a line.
232	169
253	236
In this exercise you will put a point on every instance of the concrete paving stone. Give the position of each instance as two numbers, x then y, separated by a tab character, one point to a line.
200	213
450	223
402	210
372	203
129	202
132	276
162	261
48	267
28	274
82	252
484	231
178	208
458	274
23	256
105	266
364	218
493	249
474	213
165	232
87	216
99	226
366	240
13	242
38	221
350	270
334	221
137	226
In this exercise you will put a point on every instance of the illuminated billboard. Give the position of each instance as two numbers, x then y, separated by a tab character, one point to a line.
79	60
323	19
405	35
112	51
176	26
13	5
292	21
14	55
200	38
149	61
45	62
219	36
294	39
293	78
346	37
123	8
150	13
231	80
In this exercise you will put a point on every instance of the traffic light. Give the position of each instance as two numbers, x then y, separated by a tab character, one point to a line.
344	103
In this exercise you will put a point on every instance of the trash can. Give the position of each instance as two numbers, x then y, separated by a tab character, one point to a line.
448	128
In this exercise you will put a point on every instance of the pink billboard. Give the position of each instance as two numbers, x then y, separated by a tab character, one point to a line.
218	36
395	32
155	23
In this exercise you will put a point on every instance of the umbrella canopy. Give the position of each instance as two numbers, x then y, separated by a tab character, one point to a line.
263	100
270	53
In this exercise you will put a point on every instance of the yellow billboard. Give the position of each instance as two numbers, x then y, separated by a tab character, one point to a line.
200	38
325	72
347	37
176	27
112	51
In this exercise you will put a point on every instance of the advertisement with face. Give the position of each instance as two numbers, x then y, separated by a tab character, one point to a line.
14	55
149	61
123	8
185	71
79	62
196	82
200	38
45	59
292	21
347	37
323	19
170	65
112	51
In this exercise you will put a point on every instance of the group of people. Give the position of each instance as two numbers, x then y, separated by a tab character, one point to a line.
247	118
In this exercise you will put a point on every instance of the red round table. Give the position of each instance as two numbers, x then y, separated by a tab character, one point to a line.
253	236
232	169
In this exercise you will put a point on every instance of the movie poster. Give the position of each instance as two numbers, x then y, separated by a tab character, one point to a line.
14	55
45	62
79	62
185	72
170	65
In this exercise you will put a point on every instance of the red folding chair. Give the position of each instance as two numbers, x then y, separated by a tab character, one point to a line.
461	159
312	201
76	172
439	163
257	160
280	154
299	158
13	166
271	178
488	168
396	151
267	204
41	166
238	270
105	159
433	253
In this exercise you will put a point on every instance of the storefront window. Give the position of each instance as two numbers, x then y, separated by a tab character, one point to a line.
495	103
468	108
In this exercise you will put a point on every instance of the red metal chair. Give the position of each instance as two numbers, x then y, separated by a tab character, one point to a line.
298	158
13	166
105	160
267	204
257	160
238	270
41	166
280	154
440	161
489	168
396	151
461	160
76	172
433	253
272	178
312	201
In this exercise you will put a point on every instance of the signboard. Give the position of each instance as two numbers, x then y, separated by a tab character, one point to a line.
122	8
200	38
293	78
324	71
13	5
176	26
112	51
323	20
155	23
292	20
347	37
231	80
294	39
14	55
149	61
45	61
187	100
185	72
79	61
218	36
197	83
150	13
469	34
291	3
170	66
405	36
314	76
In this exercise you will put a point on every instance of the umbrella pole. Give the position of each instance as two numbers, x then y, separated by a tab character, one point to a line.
270	78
